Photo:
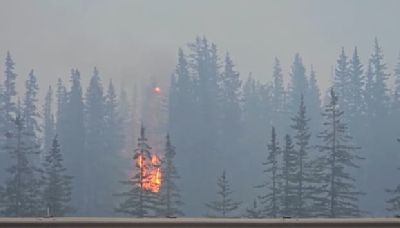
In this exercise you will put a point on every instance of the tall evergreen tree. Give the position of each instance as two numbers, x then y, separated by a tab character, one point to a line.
271	196
231	121
356	89
8	109
170	194
298	84
302	140
338	155
48	120
224	206
379	89
313	103
72	138
21	194
56	194
9	92
139	201
278	97
342	79
289	178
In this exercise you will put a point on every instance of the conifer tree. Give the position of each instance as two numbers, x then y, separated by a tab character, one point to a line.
21	194
338	155
289	178
342	79
379	89
313	103
56	194
224	206
72	138
9	92
278	96
8	109
139	201
302	140
170	194
48	120
231	120
356	89
270	198
254	211
298	84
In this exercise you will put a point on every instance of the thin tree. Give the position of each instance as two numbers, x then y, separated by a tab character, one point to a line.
289	178
302	138
57	184
270	199
338	155
224	206
170	194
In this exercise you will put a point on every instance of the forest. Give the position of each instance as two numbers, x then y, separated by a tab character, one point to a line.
215	143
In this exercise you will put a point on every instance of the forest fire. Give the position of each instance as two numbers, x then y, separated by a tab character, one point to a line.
151	172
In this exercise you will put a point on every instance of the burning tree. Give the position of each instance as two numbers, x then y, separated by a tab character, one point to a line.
142	198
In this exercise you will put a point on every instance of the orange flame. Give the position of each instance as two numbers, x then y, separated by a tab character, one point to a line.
152	173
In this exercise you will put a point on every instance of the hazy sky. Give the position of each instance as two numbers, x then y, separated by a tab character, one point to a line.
132	39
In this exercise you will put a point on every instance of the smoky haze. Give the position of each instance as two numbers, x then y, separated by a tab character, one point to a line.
281	108
139	39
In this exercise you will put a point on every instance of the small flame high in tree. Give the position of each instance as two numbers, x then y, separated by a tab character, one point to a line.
225	205
142	198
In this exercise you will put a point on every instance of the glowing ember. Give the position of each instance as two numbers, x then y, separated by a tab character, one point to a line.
157	89
151	172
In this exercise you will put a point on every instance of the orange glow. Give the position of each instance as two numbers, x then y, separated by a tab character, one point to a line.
157	89
151	173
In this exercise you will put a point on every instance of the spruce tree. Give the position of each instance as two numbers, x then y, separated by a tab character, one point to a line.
338	156
254	211
72	138
289	178
21	194
170	194
356	88
342	79
95	155
48	120
230	126
224	206
279	116
298	83
380	91
139	201
313	103
270	199
56	195
302	140
8	109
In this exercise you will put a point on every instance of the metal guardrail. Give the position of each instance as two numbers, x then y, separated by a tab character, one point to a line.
199	223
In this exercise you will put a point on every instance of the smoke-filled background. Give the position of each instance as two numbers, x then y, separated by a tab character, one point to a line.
241	88
139	39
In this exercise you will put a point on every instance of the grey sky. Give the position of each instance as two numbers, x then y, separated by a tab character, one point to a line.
132	39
